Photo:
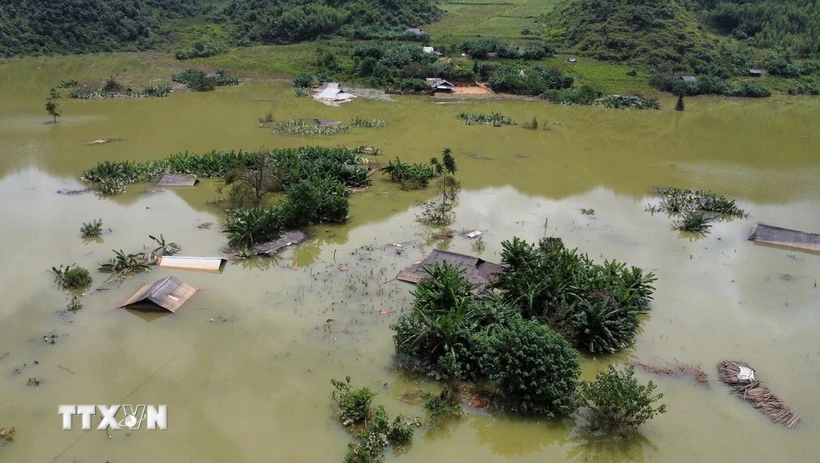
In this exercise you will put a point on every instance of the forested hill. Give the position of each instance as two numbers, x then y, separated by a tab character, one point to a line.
84	26
686	31
286	21
71	26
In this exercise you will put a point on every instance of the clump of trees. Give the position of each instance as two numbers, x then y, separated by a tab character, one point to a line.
534	81
524	340
709	85
693	211
201	82
482	48
71	276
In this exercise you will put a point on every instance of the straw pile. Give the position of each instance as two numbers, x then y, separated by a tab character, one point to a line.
740	376
678	369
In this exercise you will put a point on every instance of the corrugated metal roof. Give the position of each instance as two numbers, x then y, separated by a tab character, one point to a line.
477	271
690	79
288	238
168	294
207	264
769	234
177	180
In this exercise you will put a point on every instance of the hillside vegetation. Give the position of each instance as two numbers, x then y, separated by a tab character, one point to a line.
33	27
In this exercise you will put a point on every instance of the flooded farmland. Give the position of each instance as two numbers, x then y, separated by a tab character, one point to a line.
244	366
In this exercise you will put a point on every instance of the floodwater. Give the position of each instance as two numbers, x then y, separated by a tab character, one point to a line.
244	366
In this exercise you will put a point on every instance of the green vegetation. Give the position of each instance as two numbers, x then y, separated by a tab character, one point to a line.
535	80
535	368
694	210
372	428
585	95
708	85
200	50
485	119
295	163
71	277
410	176
482	48
164	248
443	406
629	102
124	265
367	123
201	82
616	403
53	108
91	229
300	127
596	307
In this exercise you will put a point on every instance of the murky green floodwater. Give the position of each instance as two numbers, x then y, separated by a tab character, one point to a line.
253	386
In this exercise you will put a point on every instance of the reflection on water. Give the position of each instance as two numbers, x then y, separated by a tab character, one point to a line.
253	384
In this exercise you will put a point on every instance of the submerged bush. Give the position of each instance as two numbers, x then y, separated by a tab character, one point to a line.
91	229
692	221
535	368
485	119
616	403
694	210
124	265
443	406
199	81
585	95
71	277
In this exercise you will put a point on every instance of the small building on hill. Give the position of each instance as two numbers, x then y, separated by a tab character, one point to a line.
440	85
689	79
333	92
755	72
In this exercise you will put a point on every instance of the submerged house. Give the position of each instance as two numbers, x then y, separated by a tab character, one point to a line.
440	84
477	271
167	294
333	91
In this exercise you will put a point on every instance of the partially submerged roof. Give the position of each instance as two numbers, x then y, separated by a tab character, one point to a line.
327	122
177	180
288	238
769	234
206	264
334	93
166	294
477	271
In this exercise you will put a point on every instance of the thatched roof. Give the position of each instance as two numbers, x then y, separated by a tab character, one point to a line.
741	377
166	294
477	271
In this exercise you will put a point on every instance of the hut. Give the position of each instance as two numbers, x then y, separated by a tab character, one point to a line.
333	92
167	294
177	180
572	59
689	79
440	85
477	271
755	72
414	31
286	239
768	234
204	264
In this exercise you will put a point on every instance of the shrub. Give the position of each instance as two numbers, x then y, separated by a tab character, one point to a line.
692	221
585	95
91	229
353	404
533	81
443	406
164	248
123	265
247	227
314	200
199	50
194	80
71	277
616	402
535	368
303	80
485	119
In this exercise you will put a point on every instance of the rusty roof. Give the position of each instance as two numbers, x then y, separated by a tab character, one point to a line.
477	271
288	238
168	294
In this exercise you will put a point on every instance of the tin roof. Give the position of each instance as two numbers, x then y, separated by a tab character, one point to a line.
168	294
207	264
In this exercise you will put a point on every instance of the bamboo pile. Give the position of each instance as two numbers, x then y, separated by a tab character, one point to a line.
740	377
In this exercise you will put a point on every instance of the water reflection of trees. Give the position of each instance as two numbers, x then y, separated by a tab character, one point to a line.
516	436
602	448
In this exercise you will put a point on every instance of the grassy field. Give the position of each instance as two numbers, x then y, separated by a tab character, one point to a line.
502	19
